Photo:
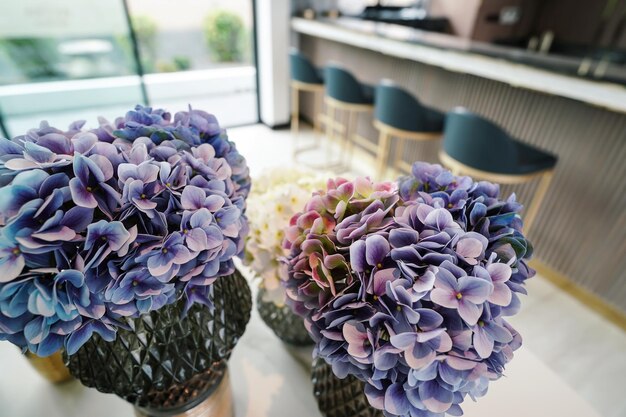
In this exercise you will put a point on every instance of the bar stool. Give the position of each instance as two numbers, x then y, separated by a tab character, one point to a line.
477	147
399	114
304	77
345	94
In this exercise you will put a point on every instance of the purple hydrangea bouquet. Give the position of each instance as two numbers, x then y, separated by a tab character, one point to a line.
105	229
405	289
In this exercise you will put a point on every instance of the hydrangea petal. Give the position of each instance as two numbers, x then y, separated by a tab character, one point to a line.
357	256
434	397
475	290
501	295
499	272
403	340
395	400
81	196
80	336
469	311
376	249
11	268
192	198
419	356
444	298
197	240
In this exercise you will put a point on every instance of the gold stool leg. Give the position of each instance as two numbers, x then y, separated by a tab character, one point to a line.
295	110
540	193
398	156
330	129
344	118
295	119
317	105
350	131
382	154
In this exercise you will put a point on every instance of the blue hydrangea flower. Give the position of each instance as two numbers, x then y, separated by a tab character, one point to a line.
140	288
455	289
89	187
200	231
114	222
165	260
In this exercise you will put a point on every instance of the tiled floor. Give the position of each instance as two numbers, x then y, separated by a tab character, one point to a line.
588	352
582	347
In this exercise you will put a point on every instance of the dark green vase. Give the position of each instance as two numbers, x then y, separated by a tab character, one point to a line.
288	326
166	365
339	397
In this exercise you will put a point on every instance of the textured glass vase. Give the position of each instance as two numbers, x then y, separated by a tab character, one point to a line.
339	397
288	326
166	365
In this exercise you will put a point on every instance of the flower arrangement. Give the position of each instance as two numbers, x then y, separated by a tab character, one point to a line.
114	222
406	286
278	194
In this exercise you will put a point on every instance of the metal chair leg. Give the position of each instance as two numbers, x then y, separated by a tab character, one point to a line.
540	193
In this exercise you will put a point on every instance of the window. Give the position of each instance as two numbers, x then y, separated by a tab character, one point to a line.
65	60
192	35
63	40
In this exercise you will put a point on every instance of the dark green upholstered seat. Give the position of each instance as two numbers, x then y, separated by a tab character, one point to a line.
369	92
303	70
343	86
399	109
481	144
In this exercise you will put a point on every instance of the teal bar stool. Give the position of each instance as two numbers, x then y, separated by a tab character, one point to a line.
397	113
477	147
344	94
307	78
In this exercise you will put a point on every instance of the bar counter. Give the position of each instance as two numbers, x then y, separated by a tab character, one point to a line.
581	228
517	67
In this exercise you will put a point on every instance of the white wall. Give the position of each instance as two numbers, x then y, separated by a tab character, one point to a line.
273	32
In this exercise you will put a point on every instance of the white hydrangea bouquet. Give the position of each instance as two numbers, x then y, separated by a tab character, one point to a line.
277	195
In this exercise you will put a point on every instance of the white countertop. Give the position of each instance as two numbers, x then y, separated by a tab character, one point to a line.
270	381
597	93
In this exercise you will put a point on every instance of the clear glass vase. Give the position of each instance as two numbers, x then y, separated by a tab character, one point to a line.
339	397
165	365
288	326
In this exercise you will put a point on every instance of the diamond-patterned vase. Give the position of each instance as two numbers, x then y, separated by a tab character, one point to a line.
339	397
166	365
288	326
